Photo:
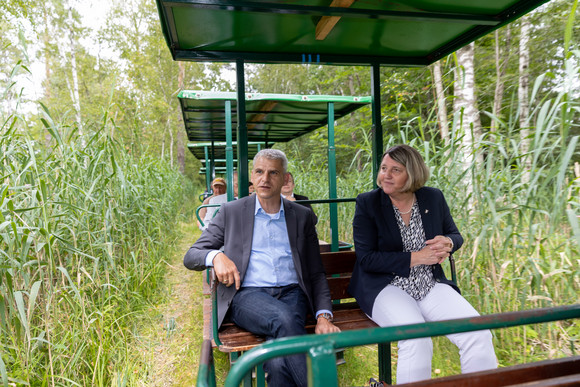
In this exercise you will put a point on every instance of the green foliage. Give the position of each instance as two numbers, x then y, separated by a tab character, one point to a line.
83	232
518	216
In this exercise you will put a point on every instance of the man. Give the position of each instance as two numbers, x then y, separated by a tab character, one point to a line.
288	193
270	271
218	186
218	199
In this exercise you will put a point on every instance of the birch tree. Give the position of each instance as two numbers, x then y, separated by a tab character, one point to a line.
502	56
523	92
465	104
441	106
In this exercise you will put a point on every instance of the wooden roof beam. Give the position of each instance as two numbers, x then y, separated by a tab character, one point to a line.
327	23
256	118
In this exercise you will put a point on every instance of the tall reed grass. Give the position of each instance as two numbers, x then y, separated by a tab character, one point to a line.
84	227
518	213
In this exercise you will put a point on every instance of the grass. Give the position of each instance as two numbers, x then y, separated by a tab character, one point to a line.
84	228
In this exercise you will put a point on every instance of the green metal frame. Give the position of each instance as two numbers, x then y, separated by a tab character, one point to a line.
393	33
320	348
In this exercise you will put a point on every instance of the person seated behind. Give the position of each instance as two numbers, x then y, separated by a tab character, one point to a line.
402	232
263	286
219	199
218	186
288	193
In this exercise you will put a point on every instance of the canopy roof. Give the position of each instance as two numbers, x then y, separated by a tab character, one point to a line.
396	33
217	151
270	118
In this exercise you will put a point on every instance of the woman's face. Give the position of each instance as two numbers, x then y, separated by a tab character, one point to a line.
392	176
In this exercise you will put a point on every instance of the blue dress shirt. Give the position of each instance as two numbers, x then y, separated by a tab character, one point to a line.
271	261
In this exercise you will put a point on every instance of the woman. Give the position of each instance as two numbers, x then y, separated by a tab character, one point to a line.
403	231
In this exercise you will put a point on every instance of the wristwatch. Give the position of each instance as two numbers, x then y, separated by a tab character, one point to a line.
327	316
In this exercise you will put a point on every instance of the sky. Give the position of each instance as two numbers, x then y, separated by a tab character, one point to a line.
93	14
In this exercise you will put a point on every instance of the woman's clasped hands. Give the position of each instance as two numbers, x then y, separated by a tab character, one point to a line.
435	251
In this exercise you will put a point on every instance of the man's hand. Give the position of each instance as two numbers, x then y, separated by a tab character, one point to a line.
226	271
325	326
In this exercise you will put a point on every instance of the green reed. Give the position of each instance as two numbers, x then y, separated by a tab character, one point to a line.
84	227
517	211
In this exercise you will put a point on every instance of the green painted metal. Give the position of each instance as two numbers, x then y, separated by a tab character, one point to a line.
270	118
394	33
260	376
332	180
385	374
208	176
206	373
322	366
377	128
303	344
229	151
242	133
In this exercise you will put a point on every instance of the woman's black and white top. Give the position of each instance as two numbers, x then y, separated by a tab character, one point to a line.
420	280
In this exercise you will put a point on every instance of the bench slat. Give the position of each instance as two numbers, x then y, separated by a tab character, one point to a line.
347	315
338	262
537	372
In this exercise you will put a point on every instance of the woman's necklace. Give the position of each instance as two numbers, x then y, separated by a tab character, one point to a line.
410	209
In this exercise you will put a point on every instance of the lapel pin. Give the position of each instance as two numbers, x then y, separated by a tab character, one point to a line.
426	211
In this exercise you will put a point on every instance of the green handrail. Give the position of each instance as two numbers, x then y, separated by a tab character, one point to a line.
206	374
205	206
320	348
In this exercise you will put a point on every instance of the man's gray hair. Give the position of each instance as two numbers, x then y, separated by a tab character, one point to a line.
273	154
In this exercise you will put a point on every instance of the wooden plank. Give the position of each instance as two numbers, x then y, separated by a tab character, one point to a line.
338	262
259	117
338	286
327	23
510	376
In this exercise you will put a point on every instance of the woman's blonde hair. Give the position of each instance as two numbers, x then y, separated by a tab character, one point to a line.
411	159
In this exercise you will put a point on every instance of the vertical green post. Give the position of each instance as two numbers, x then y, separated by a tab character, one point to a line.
207	169
377	130
322	366
385	362
332	180
229	151
242	133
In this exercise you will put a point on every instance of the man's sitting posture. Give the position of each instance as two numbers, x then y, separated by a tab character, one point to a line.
270	271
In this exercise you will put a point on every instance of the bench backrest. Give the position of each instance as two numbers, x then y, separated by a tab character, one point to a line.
338	267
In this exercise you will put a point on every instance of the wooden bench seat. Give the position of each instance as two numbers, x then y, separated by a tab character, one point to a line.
347	313
557	372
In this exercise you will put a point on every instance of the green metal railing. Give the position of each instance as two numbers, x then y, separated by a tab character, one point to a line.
321	348
206	374
204	206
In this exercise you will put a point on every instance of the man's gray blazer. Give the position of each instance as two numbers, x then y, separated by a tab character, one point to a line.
233	229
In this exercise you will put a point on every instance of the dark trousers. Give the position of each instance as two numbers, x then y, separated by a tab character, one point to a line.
275	312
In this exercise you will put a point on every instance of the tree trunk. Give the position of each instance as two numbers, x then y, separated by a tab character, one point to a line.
47	91
75	85
467	114
441	106
501	60
180	134
523	89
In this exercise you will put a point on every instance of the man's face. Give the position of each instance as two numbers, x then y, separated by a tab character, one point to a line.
288	188
268	178
219	189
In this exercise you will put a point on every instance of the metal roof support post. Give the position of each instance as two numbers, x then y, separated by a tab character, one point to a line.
229	151
212	162
332	180
242	134
207	170
377	130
